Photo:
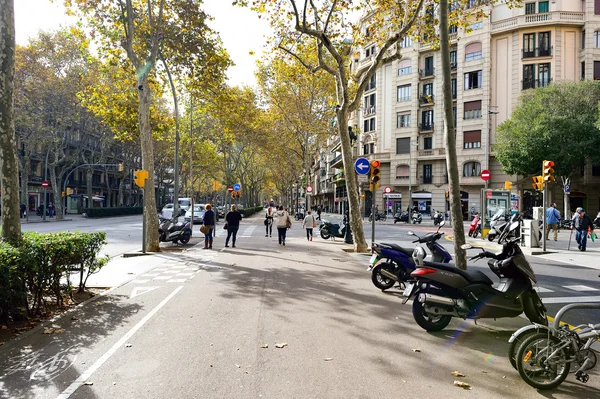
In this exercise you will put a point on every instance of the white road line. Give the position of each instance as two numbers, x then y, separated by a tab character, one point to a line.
98	363
572	299
185	274
162	278
542	290
177	280
140	281
151	275
249	230
579	288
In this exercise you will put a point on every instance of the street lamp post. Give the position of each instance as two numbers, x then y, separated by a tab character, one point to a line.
410	177
45	188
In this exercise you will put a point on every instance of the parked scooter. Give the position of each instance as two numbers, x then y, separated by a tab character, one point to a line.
401	217
512	230
443	291
397	261
597	220
378	216
174	232
497	224
438	217
416	217
475	228
328	230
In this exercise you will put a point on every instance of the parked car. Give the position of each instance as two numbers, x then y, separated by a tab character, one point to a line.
198	214
221	211
184	203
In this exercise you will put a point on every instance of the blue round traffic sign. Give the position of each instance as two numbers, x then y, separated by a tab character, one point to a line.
237	187
362	166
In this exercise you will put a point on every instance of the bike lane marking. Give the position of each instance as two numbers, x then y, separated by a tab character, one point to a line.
70	390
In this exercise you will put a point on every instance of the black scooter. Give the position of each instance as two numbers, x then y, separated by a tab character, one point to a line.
401	217
416	218
442	291
174	232
328	230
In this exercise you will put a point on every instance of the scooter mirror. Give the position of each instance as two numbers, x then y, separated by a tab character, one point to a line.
466	246
514	225
410	233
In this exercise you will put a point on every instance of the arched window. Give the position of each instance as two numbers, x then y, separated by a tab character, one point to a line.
405	67
473	51
402	172
471	169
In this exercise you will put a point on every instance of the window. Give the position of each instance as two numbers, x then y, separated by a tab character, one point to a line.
402	172
368	31
370	51
472	139
454	116
404	68
404	93
544	49
406	42
528	79
427	174
529	8
428	89
597	39
403	145
453	63
595	170
543	6
473	51
473	110
34	169
596	7
403	120
369	104
453	88
476	25
372	83
366	149
472	4
582	70
369	125
427	120
453	29
583	38
471	169
427	143
372	148
428	66
529	45
544	74
596	70
473	80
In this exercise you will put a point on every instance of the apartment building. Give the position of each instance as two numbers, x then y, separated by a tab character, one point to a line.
400	122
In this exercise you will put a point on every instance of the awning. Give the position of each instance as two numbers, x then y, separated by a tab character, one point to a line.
392	196
421	195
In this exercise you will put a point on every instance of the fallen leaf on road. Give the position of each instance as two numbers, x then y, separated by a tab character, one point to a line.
237	365
74	318
328	359
416	350
4	328
458	374
462	384
233	264
128	346
282	345
88	383
49	331
265	346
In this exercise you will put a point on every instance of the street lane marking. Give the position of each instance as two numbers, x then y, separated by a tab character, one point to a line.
162	278
140	281
542	290
249	230
187	274
572	299
98	363
579	288
177	280
137	291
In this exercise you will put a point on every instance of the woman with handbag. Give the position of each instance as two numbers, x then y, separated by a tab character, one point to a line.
232	225
208	224
283	223
269	221
309	224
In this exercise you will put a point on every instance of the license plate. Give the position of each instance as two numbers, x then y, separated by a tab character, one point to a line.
372	262
408	289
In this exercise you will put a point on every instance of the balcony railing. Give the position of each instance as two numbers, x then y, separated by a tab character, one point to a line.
533	83
427	72
425	127
432	152
453	65
562	17
336	160
426	99
537	52
369	111
427	180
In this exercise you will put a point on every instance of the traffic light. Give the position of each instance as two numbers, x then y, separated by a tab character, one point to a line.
139	177
548	172
69	191
216	185
375	175
120	167
507	185
538	183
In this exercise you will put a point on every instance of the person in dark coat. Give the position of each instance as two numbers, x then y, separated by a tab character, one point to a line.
233	220
582	223
208	220
23	210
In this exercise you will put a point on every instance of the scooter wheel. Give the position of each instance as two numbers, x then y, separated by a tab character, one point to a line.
185	239
379	280
491	237
470	234
419	222
325	234
394	221
475	234
426	321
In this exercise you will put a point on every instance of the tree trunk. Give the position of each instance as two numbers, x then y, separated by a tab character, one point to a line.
150	214
109	200
566	202
89	174
57	191
121	199
9	167
360	245
26	167
450	136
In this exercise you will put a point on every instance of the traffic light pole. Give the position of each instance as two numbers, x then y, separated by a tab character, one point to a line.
144	221
544	225
373	198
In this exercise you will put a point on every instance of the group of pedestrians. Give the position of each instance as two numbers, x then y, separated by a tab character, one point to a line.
582	224
232	225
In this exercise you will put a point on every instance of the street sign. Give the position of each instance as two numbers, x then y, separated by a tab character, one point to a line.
485	175
237	187
489	194
387	189
44	184
230	189
363	178
567	189
309	189
362	166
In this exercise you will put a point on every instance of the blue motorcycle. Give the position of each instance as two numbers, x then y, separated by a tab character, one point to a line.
391	263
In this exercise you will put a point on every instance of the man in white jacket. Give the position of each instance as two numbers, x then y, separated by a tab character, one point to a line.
283	223
309	224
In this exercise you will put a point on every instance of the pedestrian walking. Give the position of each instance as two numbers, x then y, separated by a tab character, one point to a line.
51	210
232	225
23	210
552	219
309	224
269	215
283	223
208	225
319	210
582	224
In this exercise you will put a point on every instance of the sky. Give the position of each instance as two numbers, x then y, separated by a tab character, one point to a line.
240	29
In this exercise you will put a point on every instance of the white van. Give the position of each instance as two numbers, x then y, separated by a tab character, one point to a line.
184	203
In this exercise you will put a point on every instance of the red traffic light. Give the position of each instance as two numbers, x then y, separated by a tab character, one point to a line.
548	164
375	164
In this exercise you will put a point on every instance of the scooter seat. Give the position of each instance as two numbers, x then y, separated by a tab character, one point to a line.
398	248
472	276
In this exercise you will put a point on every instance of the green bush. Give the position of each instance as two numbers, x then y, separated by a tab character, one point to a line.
106	212
251	211
40	269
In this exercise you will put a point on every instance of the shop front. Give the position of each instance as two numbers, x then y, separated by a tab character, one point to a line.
393	202
422	200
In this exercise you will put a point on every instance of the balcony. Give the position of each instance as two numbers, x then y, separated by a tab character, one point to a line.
471	181
437	181
369	111
426	99
427	73
425	127
337	162
335	144
537	52
544	19
534	83
433	152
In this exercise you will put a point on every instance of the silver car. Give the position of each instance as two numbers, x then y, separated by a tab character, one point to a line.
198	214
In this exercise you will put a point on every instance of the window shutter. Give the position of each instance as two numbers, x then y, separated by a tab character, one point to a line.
472	136
475	47
403	145
402	171
596	69
404	64
472	105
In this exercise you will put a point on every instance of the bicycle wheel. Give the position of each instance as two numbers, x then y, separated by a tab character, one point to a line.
536	367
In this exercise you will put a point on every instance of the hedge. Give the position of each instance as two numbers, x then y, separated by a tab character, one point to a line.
105	212
40	270
251	211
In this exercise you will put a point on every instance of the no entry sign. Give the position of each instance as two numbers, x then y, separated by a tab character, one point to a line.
485	175
309	189
387	189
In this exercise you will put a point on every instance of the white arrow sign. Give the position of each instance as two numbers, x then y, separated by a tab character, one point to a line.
362	166
137	291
